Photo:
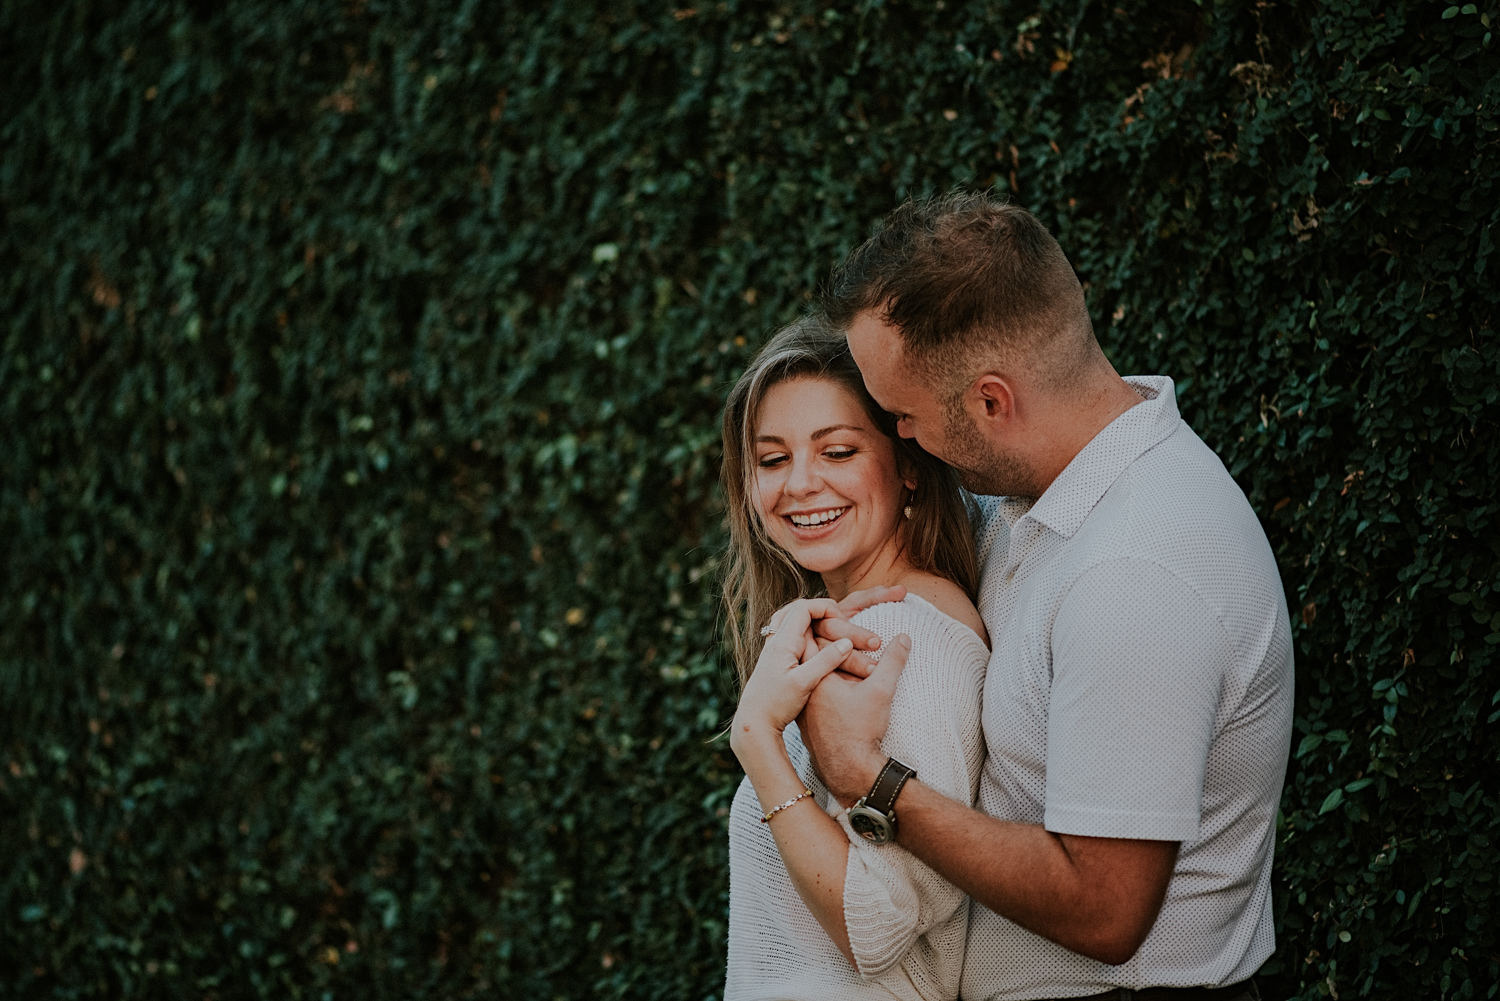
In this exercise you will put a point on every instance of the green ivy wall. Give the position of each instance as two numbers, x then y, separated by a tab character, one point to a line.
360	373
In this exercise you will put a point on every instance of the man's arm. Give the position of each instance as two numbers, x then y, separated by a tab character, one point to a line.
1096	896
1138	664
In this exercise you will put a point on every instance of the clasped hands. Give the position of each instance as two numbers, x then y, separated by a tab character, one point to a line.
815	669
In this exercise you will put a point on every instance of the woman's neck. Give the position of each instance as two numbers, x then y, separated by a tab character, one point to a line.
884	568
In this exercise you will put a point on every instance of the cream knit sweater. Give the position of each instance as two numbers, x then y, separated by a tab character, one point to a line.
906	924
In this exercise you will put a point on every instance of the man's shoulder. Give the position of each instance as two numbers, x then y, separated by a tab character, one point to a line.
1176	505
1182	455
1177	508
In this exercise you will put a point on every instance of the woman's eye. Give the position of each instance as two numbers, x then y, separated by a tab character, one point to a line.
771	461
840	453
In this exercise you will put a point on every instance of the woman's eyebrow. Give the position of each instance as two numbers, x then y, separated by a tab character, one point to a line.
772	439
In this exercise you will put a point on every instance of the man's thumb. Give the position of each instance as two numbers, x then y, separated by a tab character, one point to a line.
892	662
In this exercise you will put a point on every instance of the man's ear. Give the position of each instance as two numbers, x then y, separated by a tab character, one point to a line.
992	392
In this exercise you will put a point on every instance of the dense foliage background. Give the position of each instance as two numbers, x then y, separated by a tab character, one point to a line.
360	373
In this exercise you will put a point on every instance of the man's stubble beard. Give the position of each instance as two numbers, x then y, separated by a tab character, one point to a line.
983	469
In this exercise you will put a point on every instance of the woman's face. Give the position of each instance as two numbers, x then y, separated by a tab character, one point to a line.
826	479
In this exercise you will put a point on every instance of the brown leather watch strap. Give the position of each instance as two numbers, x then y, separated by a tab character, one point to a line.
887	786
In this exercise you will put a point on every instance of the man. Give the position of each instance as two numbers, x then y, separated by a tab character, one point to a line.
1138	705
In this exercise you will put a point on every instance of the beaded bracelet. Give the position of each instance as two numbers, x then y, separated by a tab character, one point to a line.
773	812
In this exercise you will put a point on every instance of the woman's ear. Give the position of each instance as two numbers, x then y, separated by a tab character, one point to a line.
906	469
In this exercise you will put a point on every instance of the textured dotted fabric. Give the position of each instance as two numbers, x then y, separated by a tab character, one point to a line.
907	926
1140	687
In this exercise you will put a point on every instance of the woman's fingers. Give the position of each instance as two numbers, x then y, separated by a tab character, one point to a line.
839	628
790	667
813	670
793	642
830	620
794	617
858	664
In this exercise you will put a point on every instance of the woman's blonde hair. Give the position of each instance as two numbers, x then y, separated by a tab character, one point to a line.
761	575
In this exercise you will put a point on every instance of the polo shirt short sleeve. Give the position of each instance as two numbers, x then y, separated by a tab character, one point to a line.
1137	659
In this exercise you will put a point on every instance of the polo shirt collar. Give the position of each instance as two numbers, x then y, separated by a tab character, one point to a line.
1070	498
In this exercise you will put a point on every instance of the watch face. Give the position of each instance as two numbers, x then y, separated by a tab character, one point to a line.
870	825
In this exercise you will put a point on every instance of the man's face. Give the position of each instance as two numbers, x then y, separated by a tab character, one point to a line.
877	350
946	429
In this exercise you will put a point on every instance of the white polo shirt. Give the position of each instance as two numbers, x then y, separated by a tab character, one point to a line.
1140	686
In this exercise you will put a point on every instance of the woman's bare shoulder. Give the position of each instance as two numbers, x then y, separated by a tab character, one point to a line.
948	598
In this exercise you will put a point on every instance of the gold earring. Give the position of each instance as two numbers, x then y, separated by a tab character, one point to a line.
912	497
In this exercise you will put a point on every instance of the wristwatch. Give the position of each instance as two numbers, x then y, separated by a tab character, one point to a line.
874	817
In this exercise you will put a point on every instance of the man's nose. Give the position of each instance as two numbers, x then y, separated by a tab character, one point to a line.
906	427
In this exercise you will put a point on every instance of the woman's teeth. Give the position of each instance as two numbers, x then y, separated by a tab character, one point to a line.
817	518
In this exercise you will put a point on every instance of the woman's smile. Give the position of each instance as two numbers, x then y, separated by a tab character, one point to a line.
814	524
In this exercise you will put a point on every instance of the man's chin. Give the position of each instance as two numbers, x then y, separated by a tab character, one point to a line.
983	469
980	485
1007	482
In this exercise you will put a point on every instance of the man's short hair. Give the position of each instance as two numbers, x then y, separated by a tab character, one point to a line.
970	282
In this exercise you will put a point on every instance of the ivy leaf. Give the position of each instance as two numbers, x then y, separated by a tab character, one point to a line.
1332	802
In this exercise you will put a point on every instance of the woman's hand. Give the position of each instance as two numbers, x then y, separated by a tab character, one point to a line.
841	626
789	668
813	846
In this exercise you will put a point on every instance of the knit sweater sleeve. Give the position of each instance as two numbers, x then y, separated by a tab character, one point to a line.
891	899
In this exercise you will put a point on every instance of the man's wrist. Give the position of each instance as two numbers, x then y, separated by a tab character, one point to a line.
859	775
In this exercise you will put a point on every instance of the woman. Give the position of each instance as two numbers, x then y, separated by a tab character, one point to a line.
824	499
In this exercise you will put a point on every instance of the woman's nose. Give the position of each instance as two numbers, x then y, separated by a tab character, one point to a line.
802	480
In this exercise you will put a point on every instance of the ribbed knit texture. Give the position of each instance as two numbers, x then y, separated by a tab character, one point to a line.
906	924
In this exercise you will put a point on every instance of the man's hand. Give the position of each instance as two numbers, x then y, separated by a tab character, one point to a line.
833	628
845	720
